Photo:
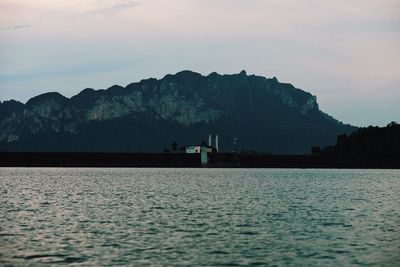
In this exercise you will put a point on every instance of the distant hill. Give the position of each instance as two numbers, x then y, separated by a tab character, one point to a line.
147	116
374	146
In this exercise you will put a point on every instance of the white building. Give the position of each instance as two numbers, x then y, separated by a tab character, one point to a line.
193	149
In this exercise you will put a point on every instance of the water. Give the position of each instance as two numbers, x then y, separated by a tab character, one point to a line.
192	217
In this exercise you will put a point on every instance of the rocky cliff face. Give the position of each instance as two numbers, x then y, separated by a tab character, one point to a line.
147	116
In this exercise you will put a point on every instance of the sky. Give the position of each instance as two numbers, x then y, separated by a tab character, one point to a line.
346	52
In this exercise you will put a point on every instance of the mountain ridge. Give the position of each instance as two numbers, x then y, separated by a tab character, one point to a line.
191	104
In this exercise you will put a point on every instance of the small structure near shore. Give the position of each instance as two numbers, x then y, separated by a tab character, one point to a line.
204	150
193	149
204	157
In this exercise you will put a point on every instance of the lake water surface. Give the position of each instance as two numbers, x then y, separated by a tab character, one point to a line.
193	217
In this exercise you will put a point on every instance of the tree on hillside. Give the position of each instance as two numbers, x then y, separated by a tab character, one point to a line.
174	146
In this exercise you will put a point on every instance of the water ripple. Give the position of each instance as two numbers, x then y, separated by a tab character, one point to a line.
192	217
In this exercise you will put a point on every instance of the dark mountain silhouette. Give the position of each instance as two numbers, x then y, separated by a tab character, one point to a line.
263	114
370	146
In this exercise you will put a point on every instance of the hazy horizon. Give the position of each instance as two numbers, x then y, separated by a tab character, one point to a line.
344	52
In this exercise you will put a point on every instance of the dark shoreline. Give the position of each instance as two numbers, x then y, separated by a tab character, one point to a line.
181	160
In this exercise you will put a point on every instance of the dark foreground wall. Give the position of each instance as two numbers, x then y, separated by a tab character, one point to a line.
284	161
11	159
173	160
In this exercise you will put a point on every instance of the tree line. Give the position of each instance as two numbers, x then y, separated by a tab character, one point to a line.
370	144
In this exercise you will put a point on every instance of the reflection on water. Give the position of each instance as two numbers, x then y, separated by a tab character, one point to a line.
164	217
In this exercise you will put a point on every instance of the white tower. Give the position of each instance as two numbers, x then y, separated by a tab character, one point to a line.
209	140
216	142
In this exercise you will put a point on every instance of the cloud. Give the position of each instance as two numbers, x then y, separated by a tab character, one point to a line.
16	27
107	7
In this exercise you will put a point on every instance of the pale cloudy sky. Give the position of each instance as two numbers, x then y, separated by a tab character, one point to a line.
346	52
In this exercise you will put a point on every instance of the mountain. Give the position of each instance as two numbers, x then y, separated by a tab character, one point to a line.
147	116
